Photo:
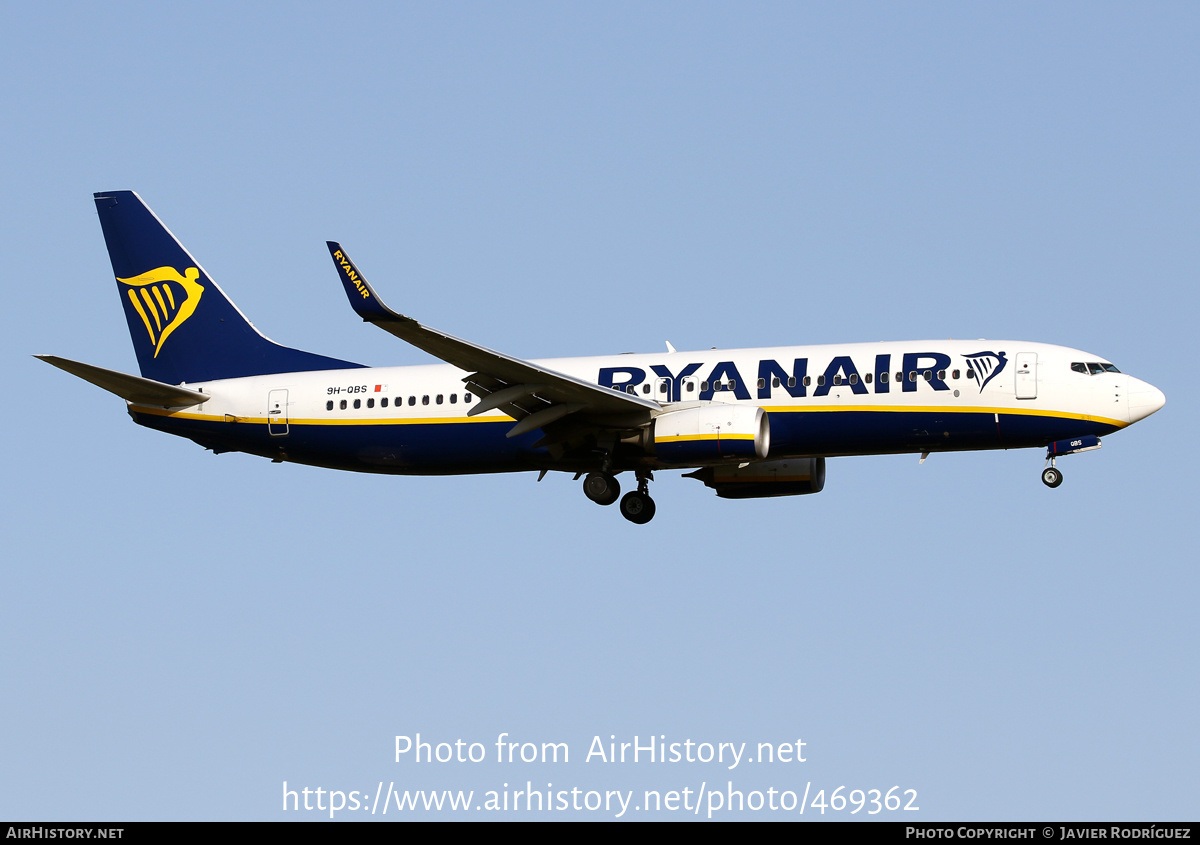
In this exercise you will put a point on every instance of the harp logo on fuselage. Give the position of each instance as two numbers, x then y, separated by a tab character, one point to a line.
164	299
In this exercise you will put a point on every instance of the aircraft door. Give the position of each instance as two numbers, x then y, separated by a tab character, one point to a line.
277	415
1026	378
662	390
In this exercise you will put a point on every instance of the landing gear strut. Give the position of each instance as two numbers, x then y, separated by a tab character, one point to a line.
1051	475
637	506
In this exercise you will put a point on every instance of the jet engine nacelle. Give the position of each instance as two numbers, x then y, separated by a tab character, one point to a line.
712	434
792	477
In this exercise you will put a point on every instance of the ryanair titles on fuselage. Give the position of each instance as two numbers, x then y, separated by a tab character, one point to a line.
796	377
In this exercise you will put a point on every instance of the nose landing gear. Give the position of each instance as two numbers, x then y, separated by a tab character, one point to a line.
1051	477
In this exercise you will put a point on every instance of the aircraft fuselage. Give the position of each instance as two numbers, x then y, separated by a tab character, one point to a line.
831	400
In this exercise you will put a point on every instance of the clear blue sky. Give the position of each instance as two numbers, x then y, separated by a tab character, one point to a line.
182	633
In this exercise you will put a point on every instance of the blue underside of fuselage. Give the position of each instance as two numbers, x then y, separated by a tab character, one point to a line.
475	447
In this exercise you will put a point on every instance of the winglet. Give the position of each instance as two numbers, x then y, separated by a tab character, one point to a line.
363	299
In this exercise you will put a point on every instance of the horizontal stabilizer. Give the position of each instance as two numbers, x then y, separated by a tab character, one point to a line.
140	391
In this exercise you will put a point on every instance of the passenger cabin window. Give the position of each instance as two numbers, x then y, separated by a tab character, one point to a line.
357	404
453	398
854	378
467	398
329	405
439	398
412	400
383	402
370	403
792	381
883	378
867	378
954	374
837	379
342	406
762	382
820	381
425	399
774	382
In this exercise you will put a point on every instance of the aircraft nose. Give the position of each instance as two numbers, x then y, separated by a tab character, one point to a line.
1144	399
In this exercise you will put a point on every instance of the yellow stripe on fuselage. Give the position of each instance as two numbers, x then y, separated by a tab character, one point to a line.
162	412
787	409
940	409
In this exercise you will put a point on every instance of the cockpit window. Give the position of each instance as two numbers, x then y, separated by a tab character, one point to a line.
1093	368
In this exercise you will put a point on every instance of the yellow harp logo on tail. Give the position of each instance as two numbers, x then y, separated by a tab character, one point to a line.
164	300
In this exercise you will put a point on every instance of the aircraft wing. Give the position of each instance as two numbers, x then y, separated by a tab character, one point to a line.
534	395
135	389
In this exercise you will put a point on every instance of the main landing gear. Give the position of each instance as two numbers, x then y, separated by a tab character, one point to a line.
601	487
636	506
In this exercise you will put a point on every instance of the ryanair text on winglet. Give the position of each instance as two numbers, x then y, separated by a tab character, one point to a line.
348	269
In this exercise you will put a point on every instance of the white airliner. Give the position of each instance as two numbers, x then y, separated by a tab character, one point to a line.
748	422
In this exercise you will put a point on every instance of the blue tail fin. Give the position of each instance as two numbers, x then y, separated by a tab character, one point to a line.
184	328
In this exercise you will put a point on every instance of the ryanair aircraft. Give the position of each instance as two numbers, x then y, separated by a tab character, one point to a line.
748	423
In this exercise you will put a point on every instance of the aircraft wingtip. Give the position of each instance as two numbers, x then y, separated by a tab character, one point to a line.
363	299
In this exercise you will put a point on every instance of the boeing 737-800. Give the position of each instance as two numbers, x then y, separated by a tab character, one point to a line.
748	423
